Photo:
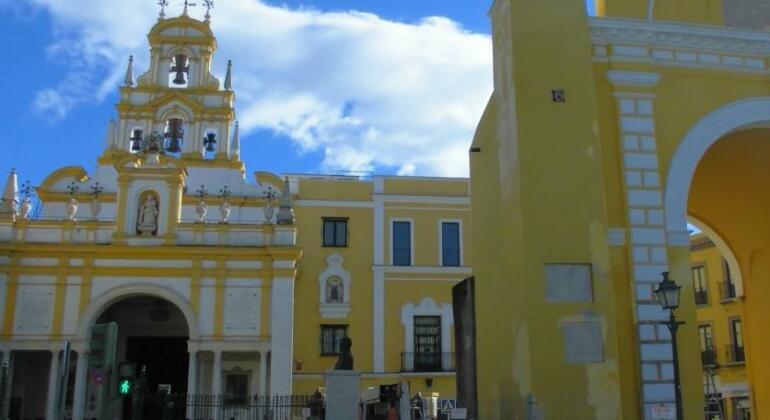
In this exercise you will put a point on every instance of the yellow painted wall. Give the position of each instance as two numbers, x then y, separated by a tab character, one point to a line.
697	11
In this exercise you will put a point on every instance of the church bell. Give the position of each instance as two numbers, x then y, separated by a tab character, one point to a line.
174	135
180	67
136	141
210	141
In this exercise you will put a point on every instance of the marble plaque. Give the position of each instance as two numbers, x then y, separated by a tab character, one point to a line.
34	309
242	310
583	342
568	283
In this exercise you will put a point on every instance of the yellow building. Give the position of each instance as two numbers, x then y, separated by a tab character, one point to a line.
168	256
720	333
603	136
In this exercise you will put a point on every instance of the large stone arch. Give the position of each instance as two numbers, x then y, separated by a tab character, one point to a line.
111	296
728	119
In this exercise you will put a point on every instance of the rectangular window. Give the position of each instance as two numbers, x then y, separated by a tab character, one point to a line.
330	339
450	244
402	243
427	344
706	345
729	284
736	341
699	281
335	232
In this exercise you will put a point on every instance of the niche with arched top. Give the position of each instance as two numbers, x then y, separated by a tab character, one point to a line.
148	214
179	70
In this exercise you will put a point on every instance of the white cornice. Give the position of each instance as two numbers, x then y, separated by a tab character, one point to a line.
680	35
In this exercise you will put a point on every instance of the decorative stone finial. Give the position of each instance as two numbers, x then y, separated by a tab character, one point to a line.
10	197
129	80
229	76
285	210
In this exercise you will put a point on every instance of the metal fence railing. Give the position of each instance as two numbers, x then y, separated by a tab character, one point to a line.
428	362
224	407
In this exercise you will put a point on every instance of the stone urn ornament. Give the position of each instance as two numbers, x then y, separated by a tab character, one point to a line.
95	205
224	206
25	208
285	210
72	204
269	210
201	209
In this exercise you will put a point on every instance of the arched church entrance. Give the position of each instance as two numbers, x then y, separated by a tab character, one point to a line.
150	335
718	179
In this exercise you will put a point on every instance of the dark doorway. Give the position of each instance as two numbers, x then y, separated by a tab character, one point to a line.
165	359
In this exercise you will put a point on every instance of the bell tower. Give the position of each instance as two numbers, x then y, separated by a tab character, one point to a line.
177	106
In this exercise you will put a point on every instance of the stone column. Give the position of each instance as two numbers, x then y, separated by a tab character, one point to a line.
192	381
263	373
281	336
53	385
79	398
216	374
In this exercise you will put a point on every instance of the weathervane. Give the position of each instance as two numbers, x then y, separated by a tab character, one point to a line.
186	4
162	4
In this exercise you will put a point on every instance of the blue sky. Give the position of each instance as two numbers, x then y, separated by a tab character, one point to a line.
358	109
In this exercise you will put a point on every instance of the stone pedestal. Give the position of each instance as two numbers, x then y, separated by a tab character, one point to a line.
342	394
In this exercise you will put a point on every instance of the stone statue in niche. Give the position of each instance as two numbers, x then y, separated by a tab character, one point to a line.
345	361
148	217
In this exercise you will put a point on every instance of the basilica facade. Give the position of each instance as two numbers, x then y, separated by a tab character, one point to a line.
211	280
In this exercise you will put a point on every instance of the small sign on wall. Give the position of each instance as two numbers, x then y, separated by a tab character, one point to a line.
568	283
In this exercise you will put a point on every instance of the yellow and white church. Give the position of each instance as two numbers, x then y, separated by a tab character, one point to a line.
212	280
603	138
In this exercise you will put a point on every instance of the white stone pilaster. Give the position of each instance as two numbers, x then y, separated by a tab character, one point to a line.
263	373
647	232
281	336
378	305
216	374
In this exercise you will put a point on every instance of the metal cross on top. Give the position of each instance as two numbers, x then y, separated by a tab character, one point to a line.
162	4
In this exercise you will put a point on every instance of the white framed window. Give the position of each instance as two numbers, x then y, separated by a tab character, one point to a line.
334	289
450	242
401	241
415	319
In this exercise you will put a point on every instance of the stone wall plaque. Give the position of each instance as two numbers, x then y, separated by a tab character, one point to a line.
583	342
34	309
242	310
568	283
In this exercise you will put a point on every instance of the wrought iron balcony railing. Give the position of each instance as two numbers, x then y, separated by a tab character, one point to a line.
708	357
427	362
701	297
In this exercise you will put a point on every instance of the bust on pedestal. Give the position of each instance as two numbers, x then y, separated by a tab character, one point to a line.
343	386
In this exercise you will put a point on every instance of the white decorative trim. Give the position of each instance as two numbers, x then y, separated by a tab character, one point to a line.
423	269
334	269
633	78
680	45
693	147
441	240
679	35
427	307
378	292
393	220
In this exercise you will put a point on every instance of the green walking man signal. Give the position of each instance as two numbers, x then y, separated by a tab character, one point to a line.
125	385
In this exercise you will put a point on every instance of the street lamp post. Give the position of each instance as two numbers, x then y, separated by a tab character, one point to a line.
667	294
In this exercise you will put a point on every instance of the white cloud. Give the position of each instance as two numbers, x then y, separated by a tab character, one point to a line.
369	93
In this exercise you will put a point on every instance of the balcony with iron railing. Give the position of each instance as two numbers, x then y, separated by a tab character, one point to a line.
701	297
427	362
727	291
735	354
708	357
